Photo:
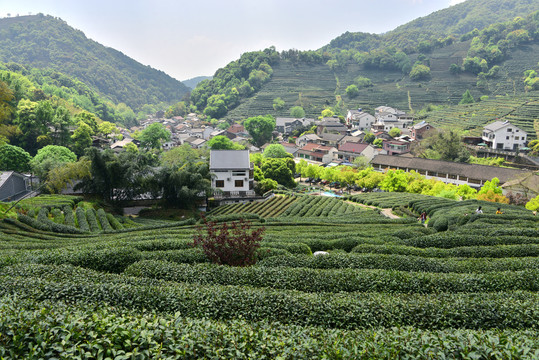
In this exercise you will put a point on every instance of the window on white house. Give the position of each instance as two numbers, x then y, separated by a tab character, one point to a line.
238	183
220	183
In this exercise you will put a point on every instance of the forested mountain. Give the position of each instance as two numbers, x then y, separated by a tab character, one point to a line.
192	83
41	41
484	46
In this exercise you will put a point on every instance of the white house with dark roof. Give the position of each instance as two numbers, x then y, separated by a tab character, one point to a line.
503	135
232	173
359	119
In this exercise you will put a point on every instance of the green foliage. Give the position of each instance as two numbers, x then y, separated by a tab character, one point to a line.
362	82
278	104
275	151
221	142
533	204
420	72
260	128
352	91
49	158
394	132
280	170
153	136
467	98
14	158
297	112
69	50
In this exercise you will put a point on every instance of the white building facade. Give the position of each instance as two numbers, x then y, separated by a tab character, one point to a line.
232	173
502	135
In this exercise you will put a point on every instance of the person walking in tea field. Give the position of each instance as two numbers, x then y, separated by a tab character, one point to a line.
423	217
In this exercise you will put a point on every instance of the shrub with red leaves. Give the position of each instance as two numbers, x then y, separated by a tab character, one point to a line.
235	244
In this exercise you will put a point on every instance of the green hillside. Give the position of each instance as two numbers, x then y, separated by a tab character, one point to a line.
488	62
41	41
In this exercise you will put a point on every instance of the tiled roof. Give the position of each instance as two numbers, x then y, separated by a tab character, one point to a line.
473	171
229	159
353	147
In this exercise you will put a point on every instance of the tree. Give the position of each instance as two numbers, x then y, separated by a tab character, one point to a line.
394	132
185	186
61	122
454	69
491	185
14	158
221	142
235	244
467	98
327	112
216	106
297	112
179	156
533	204
361	162
378	143
362	82
264	185
260	128
369	138
278	104
82	138
352	91
153	135
420	72
49	158
106	128
444	145
275	151
394	181
67	173
280	170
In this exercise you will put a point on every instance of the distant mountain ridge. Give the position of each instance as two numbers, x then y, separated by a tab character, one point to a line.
42	41
192	83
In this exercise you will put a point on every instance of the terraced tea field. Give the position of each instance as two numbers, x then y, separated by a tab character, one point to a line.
466	286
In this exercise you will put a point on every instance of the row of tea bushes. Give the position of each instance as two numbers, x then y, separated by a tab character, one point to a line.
65	331
337	280
402	263
501	310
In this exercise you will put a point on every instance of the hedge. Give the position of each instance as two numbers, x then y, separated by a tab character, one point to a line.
65	331
81	219
502	310
337	280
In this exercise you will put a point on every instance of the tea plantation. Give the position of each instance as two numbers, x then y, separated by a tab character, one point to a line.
92	285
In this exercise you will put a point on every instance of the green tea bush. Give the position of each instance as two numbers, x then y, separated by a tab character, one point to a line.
68	216
103	220
92	220
81	219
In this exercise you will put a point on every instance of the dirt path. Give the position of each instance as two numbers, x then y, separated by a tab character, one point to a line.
386	212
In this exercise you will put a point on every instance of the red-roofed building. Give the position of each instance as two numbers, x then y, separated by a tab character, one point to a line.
395	147
349	151
316	152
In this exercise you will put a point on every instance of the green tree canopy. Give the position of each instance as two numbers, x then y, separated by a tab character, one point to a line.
297	112
49	158
420	72
275	151
278	104
14	158
279	170
394	132
221	142
352	91
260	128
81	138
153	136
467	98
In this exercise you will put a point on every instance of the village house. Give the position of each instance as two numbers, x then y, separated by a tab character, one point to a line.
419	130
349	151
332	126
359	120
449	172
307	139
329	139
396	147
238	130
232	174
286	126
502	135
316	152
13	185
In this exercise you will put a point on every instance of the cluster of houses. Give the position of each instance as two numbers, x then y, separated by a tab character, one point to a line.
331	143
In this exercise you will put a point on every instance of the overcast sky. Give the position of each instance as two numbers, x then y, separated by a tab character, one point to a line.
196	37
